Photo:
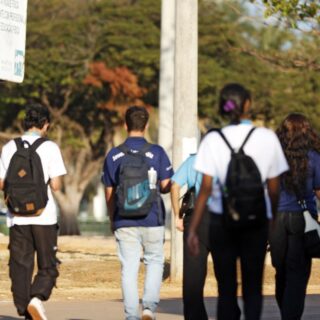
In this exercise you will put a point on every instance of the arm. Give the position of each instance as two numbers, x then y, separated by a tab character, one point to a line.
1	184
317	192
110	199
205	191
55	183
175	194
165	185
164	171
273	185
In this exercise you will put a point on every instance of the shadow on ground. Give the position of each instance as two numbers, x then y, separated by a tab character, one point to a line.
270	308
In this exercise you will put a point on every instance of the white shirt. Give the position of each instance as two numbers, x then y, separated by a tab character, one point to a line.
263	147
53	166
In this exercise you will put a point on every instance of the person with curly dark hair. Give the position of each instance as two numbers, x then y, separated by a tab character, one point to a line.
301	145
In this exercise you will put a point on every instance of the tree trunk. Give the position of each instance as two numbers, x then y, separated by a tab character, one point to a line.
80	173
68	217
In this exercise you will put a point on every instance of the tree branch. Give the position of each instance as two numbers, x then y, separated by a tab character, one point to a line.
282	64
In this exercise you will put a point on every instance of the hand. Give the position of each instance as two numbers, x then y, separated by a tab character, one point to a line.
193	243
111	227
179	224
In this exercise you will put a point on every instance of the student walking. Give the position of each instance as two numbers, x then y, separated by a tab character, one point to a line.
234	233
194	267
29	232
301	145
135	173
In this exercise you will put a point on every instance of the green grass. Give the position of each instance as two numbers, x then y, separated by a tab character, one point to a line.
94	228
3	227
89	228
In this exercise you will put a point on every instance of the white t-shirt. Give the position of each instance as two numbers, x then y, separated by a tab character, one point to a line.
263	147
53	166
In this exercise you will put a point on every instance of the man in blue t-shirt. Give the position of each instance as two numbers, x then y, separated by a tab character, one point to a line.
139	233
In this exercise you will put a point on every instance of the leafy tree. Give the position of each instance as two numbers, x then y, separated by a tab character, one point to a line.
84	98
294	11
303	17
232	49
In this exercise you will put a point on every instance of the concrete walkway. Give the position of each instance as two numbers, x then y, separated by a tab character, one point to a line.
169	309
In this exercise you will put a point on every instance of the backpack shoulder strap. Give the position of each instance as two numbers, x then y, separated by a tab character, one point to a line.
223	138
124	148
247	138
37	143
18	142
145	148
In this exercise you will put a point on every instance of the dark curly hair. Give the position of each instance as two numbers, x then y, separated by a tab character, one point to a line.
297	138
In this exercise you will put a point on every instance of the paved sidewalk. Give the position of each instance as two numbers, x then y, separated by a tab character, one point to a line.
169	309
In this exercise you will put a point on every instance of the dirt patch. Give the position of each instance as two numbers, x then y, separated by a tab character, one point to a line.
90	270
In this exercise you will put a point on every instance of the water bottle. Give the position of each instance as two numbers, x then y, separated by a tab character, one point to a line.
152	176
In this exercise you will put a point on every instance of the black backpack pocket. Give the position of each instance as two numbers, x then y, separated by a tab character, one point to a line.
23	200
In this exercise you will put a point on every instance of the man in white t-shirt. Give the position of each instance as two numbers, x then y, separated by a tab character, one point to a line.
31	234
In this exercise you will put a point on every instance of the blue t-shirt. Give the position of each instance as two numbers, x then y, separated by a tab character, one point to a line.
288	200
157	159
186	174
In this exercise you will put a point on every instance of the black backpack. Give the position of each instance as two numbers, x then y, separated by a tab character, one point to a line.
135	198
25	190
243	192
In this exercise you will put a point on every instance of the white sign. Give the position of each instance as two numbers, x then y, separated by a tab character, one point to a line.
189	146
13	22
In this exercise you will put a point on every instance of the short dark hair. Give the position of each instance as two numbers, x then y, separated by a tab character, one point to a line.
136	118
37	116
233	97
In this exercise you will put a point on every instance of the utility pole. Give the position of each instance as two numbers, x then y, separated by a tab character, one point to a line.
166	75
185	116
166	86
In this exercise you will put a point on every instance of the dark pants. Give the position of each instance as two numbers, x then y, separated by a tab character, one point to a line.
195	271
291	263
227	246
24	241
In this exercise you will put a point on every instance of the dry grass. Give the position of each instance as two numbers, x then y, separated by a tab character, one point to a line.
90	270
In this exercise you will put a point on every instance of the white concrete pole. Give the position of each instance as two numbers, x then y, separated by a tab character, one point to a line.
166	86
185	117
166	75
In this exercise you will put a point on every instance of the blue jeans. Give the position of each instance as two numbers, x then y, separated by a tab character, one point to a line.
131	241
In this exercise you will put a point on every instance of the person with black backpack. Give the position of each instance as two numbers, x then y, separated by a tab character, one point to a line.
134	174
30	169
247	162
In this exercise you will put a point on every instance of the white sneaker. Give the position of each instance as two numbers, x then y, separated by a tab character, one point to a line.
36	309
147	314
